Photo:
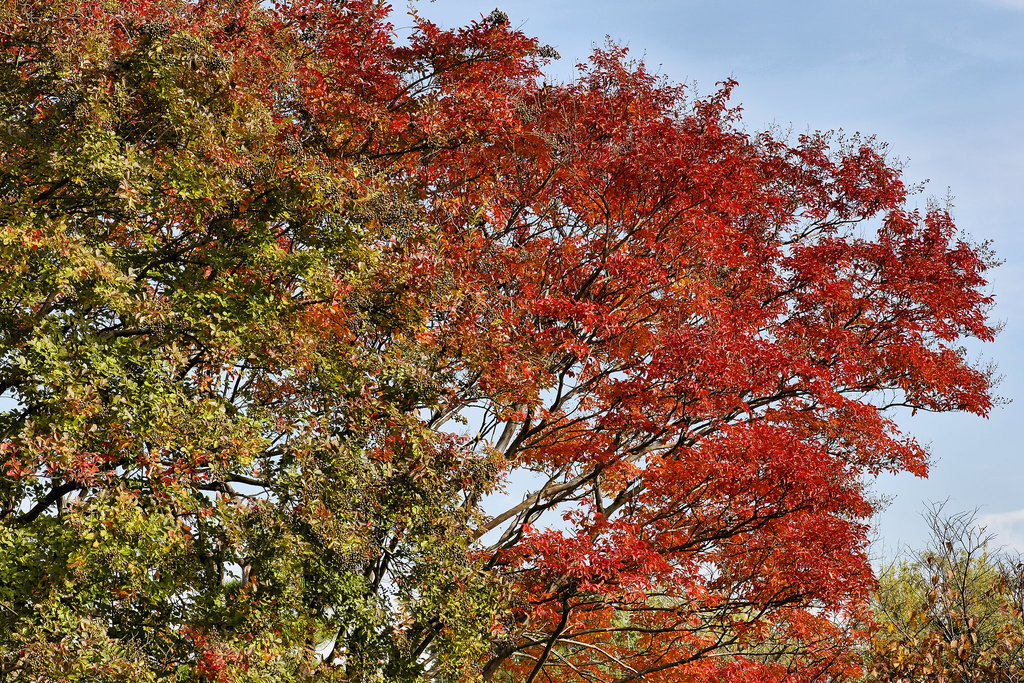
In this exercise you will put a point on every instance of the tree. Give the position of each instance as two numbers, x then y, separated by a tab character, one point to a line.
288	302
951	612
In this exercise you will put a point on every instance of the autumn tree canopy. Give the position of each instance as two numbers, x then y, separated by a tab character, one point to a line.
952	612
333	355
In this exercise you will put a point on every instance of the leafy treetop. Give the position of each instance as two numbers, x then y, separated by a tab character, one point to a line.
288	302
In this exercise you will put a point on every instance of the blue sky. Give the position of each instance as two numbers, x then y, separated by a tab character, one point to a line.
941	81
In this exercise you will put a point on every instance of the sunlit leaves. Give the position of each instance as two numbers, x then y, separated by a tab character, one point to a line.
291	308
950	611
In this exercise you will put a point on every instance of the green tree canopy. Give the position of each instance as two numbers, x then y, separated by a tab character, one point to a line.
951	612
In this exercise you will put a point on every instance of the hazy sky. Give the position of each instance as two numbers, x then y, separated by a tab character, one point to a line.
942	81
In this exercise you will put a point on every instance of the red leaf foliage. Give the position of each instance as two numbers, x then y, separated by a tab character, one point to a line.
332	244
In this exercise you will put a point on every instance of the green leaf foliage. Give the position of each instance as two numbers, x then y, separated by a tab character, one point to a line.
199	358
951	612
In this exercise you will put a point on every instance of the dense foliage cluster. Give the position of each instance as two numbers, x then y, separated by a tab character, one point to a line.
293	311
950	613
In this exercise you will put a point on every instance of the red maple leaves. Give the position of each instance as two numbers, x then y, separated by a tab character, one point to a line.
373	279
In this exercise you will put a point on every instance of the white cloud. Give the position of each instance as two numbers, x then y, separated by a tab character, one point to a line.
1008	528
